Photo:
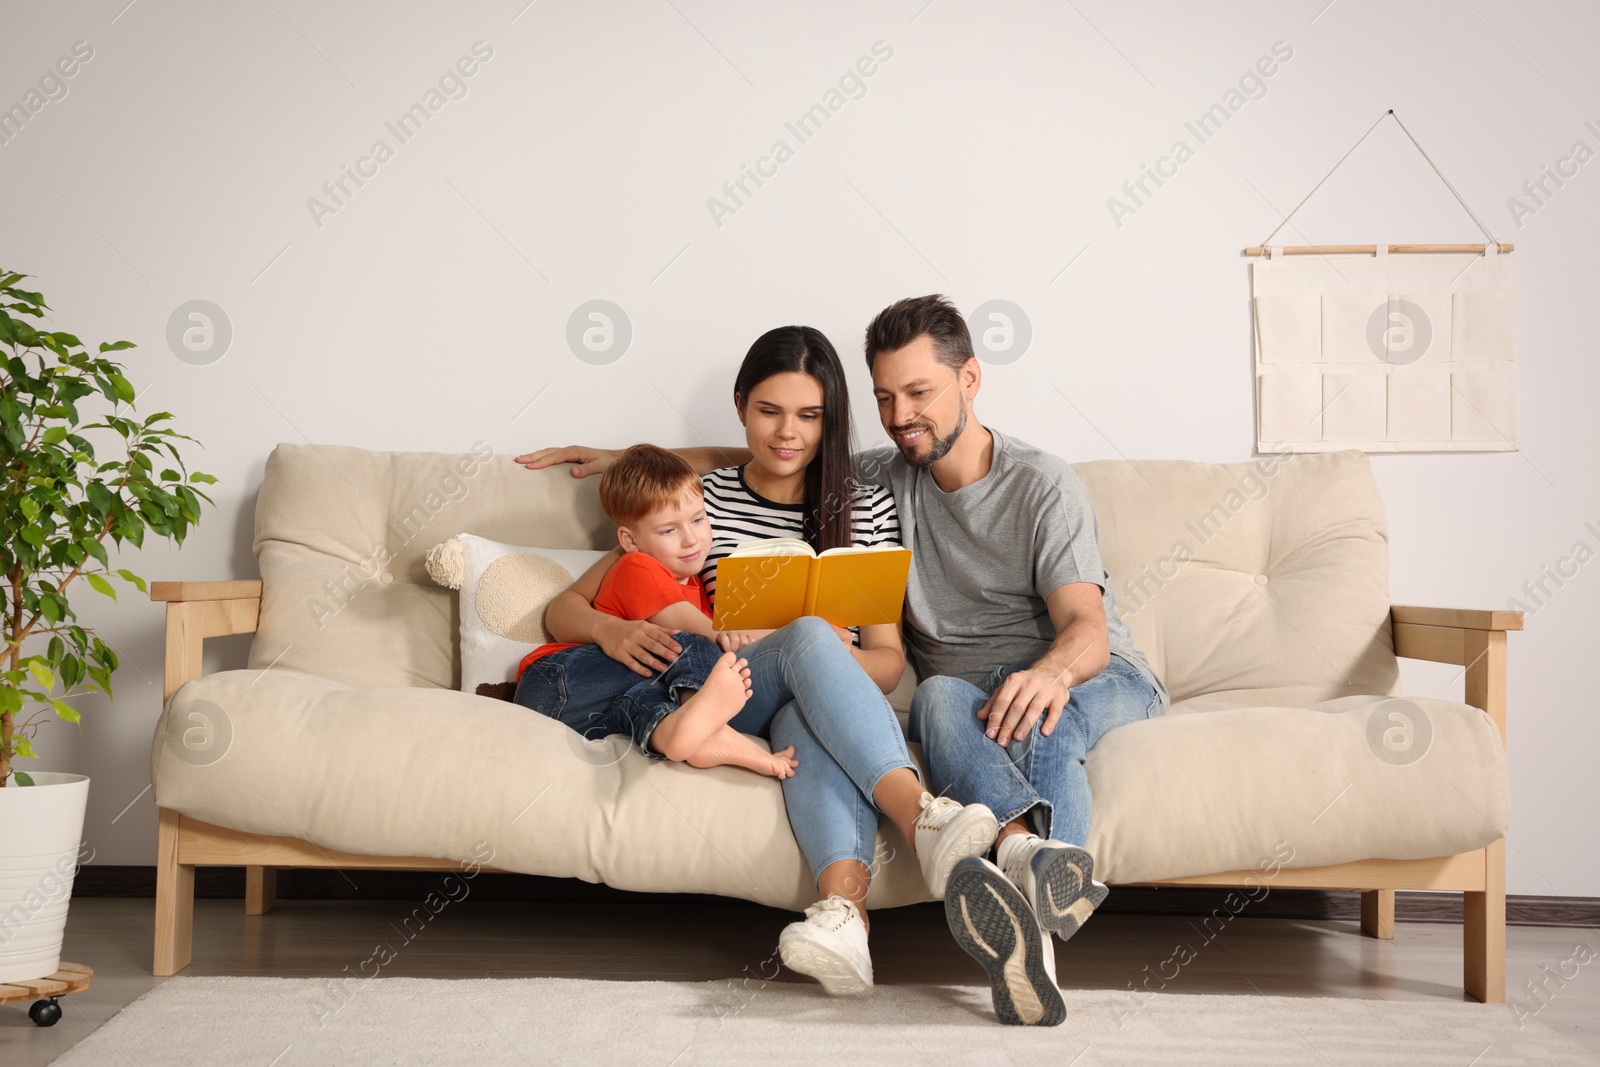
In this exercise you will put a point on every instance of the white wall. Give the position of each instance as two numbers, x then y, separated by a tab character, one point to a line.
432	307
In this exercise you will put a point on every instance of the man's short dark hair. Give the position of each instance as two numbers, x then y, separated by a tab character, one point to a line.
906	320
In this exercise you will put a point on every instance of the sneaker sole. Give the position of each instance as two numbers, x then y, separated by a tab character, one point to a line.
973	839
1066	891
991	921
837	975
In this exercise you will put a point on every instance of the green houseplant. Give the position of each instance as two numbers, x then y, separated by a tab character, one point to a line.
59	502
60	499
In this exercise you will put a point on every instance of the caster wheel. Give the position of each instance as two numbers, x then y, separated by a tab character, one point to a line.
45	1012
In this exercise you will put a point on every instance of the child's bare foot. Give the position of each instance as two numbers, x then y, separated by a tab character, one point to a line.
729	748
726	688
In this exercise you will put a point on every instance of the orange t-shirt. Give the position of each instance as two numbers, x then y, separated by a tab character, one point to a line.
637	587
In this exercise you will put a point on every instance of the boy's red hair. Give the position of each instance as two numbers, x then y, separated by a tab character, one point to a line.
645	479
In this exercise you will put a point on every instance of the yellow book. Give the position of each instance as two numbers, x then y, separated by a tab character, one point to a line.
763	585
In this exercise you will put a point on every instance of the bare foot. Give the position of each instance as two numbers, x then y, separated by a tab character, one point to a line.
729	748
726	688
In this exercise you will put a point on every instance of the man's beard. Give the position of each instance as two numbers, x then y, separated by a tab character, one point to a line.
940	447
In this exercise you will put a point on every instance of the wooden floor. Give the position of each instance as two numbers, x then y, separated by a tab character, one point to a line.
700	942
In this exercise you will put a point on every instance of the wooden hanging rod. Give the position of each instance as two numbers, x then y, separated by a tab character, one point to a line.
1372	250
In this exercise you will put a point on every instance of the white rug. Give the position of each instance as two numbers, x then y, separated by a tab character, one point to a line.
287	1022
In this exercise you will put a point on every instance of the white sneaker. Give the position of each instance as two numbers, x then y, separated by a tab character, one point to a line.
991	921
830	946
948	833
1057	880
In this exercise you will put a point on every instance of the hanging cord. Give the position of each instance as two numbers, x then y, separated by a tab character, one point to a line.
1387	114
1459	198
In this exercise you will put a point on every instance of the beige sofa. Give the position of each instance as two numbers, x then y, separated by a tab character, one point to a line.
1259	591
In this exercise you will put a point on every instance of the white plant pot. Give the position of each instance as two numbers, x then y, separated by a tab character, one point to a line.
41	827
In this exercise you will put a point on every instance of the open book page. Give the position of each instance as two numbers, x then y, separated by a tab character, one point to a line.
853	550
792	546
774	546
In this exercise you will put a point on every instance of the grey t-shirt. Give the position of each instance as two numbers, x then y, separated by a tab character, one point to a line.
985	557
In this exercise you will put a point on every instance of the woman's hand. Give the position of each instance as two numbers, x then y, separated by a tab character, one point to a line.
585	461
734	640
643	647
845	635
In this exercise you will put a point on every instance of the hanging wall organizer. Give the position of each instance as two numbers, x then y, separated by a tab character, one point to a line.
1385	348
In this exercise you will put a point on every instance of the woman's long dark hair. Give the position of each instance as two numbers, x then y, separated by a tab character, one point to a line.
829	476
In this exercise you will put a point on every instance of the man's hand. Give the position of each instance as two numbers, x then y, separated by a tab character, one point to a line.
642	647
586	461
1019	701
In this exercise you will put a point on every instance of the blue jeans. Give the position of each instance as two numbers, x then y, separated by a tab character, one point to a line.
1042	777
597	696
808	691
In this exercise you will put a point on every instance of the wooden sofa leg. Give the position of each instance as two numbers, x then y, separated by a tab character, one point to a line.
174	900
1483	931
1377	913
260	889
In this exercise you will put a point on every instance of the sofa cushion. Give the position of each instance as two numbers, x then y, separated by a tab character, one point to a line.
414	771
1259	583
341	536
1349	779
425	771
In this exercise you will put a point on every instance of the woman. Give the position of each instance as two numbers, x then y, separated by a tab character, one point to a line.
817	687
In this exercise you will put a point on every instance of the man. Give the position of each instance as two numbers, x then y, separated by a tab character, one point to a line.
1013	627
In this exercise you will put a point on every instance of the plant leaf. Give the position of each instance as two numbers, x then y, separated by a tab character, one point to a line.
100	585
97	550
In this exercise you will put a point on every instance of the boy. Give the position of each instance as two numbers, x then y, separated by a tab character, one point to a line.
654	497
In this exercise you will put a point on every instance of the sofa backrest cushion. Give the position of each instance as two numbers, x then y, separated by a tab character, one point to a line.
1265	582
1244	583
342	536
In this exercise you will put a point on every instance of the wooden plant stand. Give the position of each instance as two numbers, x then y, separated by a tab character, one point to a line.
71	978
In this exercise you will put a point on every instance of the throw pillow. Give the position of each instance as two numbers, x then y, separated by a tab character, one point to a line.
504	591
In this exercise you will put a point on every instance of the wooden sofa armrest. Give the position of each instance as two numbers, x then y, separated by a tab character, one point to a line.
196	611
1459	618
1475	640
183	592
